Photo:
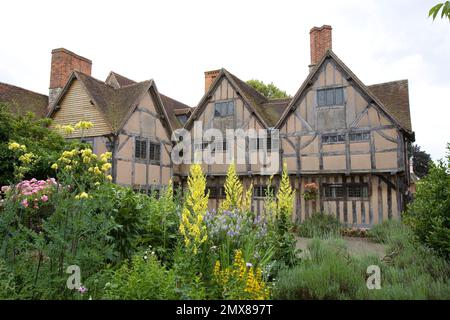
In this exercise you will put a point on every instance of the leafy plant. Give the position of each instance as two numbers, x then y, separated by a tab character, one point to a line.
144	279
443	7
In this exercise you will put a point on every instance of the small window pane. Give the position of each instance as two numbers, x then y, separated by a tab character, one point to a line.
339	92
321	97
330	97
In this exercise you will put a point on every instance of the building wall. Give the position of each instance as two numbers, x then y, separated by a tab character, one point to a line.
145	122
76	106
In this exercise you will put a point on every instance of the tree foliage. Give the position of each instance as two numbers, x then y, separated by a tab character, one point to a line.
429	214
443	8
421	161
270	90
42	142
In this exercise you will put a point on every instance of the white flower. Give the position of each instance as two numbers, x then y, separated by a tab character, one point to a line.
145	257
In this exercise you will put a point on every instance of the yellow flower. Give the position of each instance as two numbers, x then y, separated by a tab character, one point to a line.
15	146
105	156
192	226
54	166
68	167
106	166
109	178
27	158
97	170
82	195
285	195
84	125
233	190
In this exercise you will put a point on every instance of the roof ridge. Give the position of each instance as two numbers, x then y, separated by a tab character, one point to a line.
387	82
13	85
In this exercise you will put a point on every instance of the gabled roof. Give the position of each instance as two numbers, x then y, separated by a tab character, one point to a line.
115	104
402	122
21	101
266	110
172	106
116	80
395	97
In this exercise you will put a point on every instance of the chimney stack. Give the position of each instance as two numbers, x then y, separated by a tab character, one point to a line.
210	76
320	40
63	63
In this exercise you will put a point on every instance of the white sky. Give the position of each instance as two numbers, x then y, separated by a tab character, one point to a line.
174	42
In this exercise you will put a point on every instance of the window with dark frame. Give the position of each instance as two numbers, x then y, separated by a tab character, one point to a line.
259	191
330	97
155	152
333	138
333	191
140	149
358	190
353	190
216	192
359	136
224	108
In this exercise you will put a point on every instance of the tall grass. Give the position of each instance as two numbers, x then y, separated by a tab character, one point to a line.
320	225
408	271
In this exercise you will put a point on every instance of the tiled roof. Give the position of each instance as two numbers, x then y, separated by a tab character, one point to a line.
172	106
394	95
21	101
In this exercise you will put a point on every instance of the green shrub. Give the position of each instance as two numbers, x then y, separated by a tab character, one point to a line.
38	138
162	220
144	279
327	275
388	231
408	271
429	214
320	225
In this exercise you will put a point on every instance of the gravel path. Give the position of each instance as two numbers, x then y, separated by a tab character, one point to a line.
356	246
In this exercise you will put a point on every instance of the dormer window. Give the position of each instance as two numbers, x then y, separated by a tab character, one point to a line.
224	108
330	97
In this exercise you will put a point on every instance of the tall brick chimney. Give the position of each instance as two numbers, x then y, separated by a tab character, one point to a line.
320	40
63	63
210	76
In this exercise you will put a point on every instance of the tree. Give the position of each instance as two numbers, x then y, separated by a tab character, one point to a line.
444	8
38	138
270	90
421	161
429	213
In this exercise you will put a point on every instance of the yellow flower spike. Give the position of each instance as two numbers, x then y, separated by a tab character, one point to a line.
285	195
192	225
233	190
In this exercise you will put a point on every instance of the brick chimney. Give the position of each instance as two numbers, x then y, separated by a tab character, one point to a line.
63	63
210	76
320	40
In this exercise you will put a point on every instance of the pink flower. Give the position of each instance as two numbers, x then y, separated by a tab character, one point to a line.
82	289
24	203
36	206
5	188
44	198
